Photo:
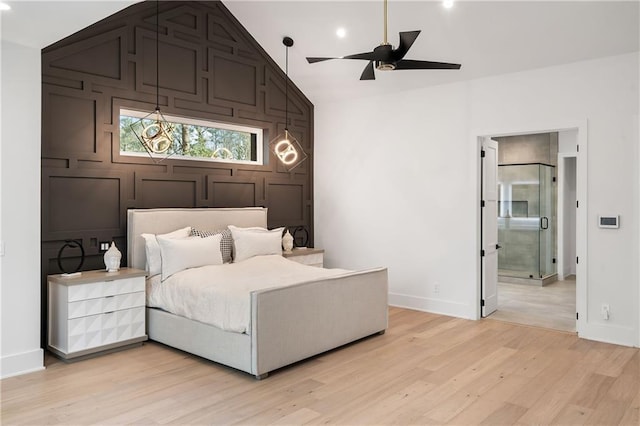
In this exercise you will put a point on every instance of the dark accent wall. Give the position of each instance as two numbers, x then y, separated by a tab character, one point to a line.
210	68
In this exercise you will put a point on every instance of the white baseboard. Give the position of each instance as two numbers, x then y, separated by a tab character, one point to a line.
22	363
625	336
435	306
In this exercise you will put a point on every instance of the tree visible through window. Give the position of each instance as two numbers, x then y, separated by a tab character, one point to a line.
197	140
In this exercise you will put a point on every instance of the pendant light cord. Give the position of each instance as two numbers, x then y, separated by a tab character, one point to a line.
286	89
157	56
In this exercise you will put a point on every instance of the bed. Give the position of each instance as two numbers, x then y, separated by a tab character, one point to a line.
287	324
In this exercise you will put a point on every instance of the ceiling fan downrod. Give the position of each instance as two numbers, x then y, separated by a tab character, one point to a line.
385	23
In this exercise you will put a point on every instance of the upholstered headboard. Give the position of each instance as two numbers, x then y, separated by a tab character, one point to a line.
161	221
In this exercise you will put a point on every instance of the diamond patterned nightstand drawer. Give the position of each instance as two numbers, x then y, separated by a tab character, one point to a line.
99	330
105	304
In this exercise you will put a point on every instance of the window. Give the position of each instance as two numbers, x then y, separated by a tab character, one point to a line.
196	139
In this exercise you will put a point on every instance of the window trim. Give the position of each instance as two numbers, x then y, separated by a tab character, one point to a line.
259	132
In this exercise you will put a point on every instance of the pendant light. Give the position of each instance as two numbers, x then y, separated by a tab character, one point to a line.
285	146
153	131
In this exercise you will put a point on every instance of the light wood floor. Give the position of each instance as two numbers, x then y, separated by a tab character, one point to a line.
427	369
552	306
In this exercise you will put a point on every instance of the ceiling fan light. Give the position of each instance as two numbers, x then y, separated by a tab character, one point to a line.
385	66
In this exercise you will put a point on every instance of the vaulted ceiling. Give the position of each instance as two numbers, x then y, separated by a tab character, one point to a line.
487	38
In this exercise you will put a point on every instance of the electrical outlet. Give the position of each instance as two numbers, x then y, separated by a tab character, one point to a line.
604	310
104	245
436	288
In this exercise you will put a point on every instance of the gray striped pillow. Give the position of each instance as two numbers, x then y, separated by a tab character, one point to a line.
226	243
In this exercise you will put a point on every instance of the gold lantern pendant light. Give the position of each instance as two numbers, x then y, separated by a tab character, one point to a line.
153	131
285	146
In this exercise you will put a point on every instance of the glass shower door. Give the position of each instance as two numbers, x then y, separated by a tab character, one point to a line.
519	220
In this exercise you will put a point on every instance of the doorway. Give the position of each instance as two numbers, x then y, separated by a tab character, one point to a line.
537	238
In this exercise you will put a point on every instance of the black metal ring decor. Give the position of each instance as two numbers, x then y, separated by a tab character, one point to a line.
71	244
305	238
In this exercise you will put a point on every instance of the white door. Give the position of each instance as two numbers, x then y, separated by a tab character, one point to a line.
489	214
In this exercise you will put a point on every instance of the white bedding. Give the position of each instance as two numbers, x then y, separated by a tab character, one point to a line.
220	294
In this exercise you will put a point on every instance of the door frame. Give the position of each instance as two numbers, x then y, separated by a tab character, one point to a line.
581	214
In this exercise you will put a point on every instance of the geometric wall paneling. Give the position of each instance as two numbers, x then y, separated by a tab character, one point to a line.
275	97
68	123
80	203
200	109
286	203
222	36
179	67
183	19
234	79
216	31
167	191
100	59
233	193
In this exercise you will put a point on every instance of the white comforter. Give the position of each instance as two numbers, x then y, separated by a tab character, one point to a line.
220	295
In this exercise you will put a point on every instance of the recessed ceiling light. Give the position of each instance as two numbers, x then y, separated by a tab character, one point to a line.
341	32
448	4
4	6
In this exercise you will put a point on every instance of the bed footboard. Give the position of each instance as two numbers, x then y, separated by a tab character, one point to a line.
289	324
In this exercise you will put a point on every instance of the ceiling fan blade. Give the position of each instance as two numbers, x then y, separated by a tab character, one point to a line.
314	60
408	64
368	73
406	41
366	56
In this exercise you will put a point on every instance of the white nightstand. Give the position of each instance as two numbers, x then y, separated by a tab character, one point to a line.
307	256
96	311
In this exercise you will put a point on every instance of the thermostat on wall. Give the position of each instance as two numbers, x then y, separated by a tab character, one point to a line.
609	221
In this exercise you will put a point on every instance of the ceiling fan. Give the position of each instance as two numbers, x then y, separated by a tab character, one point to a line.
386	58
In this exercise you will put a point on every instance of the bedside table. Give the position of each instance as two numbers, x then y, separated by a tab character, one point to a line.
306	256
95	311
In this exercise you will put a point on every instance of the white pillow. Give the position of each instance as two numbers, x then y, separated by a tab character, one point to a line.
181	254
152	249
249	242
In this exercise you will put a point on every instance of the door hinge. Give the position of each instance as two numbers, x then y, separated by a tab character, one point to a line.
577	259
577	204
553	260
481	252
482	302
577	148
482	203
554	179
577	316
482	153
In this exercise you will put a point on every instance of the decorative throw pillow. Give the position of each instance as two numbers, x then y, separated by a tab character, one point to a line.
249	242
152	249
181	254
226	244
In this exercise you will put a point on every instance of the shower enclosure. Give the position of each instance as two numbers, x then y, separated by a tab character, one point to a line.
527	223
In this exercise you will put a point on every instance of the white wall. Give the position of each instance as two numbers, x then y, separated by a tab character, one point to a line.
20	79
396	183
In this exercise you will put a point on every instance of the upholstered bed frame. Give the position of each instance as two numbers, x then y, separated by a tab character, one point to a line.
288	324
